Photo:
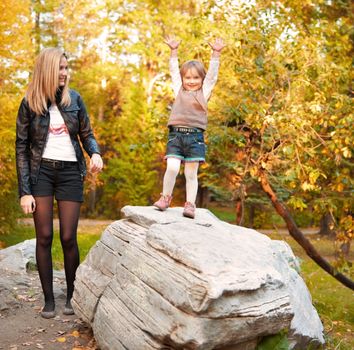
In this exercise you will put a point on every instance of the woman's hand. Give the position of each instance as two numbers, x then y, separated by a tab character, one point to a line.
28	204
171	41
217	45
96	163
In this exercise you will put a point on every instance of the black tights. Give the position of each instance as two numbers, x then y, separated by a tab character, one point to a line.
68	220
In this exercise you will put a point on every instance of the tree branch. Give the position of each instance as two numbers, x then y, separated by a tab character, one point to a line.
298	235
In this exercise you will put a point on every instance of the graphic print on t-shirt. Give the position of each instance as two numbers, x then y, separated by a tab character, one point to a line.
59	145
58	129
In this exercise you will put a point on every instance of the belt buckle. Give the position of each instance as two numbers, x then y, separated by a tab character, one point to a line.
54	163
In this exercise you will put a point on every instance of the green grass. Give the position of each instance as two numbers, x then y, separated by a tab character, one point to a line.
19	234
225	215
87	237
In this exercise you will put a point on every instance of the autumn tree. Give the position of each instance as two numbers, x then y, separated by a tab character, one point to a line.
284	119
15	56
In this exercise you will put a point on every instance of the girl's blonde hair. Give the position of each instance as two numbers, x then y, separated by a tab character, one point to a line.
45	81
198	66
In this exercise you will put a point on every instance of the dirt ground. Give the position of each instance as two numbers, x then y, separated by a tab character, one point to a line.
21	300
22	327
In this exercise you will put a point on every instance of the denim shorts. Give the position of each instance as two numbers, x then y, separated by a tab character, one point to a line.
189	147
61	179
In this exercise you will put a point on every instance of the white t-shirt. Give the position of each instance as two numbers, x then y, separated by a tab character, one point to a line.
58	144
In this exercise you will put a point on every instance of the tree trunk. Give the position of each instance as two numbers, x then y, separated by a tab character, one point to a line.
326	222
37	27
202	197
251	216
92	195
239	212
299	236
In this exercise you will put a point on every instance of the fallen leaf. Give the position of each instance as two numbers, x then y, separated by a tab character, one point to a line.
60	332
39	346
41	330
75	334
78	321
61	340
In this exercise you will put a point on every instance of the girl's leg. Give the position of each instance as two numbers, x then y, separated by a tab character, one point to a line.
169	180
69	212
191	174
43	221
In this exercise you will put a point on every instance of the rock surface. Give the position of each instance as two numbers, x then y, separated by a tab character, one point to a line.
157	280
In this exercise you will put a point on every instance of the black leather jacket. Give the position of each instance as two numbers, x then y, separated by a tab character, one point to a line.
31	137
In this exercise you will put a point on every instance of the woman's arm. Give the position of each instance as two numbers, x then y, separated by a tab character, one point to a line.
27	201
23	148
88	139
174	66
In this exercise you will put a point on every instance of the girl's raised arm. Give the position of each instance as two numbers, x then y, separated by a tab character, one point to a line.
174	66
212	74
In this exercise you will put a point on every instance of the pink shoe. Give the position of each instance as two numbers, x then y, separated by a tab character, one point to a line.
189	210
164	202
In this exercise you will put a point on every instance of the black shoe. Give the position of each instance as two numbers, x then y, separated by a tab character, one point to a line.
68	309
47	312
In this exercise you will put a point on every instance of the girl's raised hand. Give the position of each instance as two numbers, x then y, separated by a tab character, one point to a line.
218	44
171	41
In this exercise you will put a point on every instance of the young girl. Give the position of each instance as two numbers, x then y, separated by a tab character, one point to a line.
188	120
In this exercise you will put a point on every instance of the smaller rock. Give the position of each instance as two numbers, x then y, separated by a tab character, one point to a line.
17	257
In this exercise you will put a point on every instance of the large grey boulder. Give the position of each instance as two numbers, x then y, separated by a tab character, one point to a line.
157	280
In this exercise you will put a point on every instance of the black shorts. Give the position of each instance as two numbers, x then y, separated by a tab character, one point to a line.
61	179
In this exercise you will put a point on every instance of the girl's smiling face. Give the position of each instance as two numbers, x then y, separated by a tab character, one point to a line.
191	80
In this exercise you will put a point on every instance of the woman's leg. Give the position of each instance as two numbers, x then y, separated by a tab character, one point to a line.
169	180
69	212
43	220
191	174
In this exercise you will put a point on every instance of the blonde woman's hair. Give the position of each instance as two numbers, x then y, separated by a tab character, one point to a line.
193	64
45	81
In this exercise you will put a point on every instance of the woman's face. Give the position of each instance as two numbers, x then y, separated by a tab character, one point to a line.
192	81
63	71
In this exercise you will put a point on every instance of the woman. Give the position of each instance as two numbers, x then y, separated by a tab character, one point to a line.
50	163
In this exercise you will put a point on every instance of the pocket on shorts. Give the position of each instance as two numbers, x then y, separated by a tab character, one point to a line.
199	138
171	138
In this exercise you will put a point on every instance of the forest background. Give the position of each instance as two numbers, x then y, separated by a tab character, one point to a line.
280	115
